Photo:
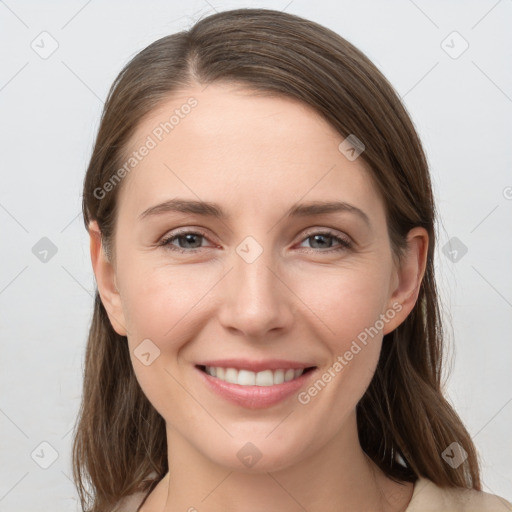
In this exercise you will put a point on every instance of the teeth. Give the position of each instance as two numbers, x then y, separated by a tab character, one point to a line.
231	375
248	378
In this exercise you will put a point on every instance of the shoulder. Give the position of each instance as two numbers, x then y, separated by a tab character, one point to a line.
133	502
130	503
428	497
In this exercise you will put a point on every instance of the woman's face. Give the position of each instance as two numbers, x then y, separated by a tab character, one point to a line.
256	279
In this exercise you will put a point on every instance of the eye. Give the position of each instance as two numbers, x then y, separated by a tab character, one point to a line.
188	241
191	241
319	238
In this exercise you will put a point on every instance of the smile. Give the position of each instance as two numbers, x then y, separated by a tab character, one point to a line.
255	384
249	378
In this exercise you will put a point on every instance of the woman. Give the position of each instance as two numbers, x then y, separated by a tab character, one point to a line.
290	357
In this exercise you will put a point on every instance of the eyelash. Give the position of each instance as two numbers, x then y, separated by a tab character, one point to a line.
344	243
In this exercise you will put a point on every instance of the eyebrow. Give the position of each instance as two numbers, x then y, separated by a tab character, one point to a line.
208	209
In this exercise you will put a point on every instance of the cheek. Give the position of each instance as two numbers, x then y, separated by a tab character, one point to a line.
349	305
156	300
164	307
345	300
160	307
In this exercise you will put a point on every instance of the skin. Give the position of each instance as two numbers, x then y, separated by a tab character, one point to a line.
256	157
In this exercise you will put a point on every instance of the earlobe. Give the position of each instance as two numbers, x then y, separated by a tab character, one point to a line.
408	277
106	280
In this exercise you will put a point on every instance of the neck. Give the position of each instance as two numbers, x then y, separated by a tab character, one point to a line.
338	477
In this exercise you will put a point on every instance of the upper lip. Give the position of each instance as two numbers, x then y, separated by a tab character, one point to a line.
256	366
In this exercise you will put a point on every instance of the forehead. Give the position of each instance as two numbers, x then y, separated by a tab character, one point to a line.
226	143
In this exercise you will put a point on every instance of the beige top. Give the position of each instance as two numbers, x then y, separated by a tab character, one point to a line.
426	497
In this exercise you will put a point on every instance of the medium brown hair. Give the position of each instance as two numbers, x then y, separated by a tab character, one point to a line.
404	421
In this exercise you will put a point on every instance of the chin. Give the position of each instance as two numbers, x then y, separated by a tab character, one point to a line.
254	456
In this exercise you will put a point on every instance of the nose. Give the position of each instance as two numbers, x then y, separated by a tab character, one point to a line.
257	301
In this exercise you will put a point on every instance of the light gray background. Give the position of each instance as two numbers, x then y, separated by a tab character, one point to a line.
50	112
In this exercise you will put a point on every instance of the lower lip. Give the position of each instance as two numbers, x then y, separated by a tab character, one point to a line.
255	397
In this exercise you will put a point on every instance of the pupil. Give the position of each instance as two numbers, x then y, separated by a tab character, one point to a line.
189	238
317	237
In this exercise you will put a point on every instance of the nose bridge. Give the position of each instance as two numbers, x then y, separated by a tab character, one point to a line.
255	300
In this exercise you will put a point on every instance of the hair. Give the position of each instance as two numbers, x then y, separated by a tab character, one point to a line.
404	421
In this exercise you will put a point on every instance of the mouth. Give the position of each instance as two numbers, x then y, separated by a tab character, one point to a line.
264	378
256	388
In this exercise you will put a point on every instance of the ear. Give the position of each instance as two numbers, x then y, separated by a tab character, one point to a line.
106	280
407	278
